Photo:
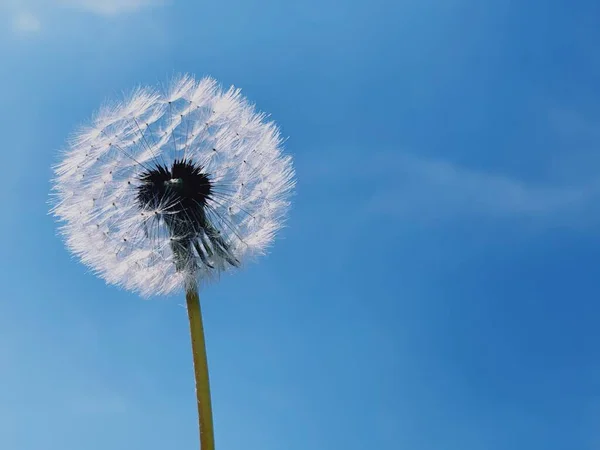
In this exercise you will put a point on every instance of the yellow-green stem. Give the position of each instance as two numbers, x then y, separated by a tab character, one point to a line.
207	437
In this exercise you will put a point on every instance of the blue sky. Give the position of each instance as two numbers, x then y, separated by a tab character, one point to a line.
437	285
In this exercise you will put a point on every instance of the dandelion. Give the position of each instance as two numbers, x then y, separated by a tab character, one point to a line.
169	188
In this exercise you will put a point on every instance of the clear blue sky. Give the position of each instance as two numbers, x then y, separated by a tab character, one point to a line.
437	286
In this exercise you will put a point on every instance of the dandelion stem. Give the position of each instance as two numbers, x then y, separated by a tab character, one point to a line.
207	438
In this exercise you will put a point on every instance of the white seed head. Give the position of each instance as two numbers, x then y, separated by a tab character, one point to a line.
154	235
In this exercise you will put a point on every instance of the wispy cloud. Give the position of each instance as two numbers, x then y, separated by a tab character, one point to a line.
111	7
571	124
25	22
98	400
26	16
437	189
418	189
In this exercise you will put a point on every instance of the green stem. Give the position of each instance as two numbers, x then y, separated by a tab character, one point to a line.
207	438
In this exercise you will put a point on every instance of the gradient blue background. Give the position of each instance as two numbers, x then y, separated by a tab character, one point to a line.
437	286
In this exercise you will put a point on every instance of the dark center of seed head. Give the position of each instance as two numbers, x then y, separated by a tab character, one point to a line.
183	188
179	195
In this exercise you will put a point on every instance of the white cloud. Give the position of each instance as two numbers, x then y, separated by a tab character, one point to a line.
110	7
25	23
25	16
573	125
419	189
437	189
97	400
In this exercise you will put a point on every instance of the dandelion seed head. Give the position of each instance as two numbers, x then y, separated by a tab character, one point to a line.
172	187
